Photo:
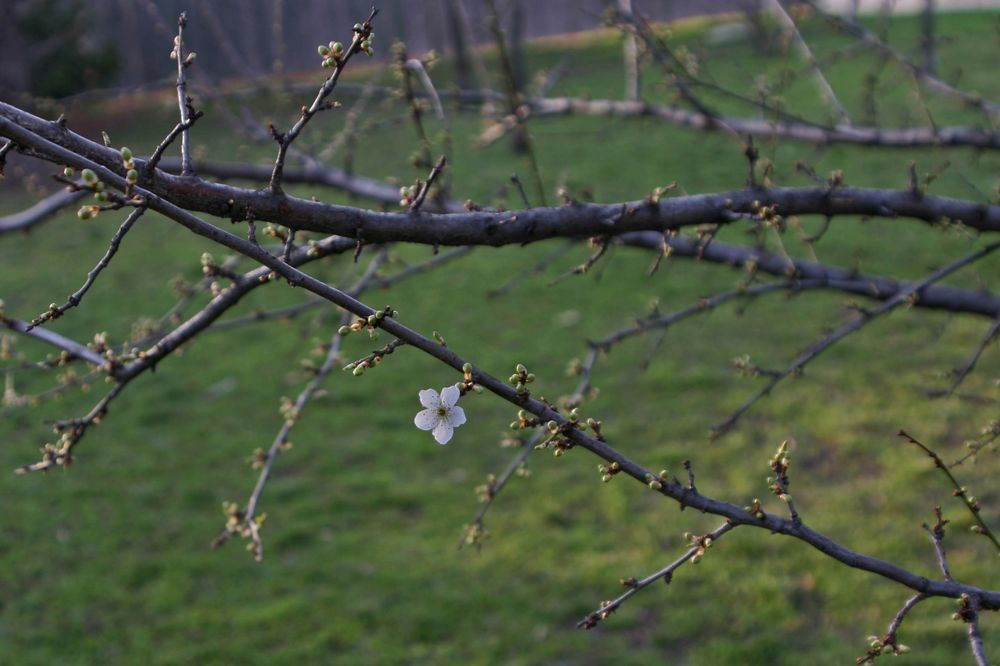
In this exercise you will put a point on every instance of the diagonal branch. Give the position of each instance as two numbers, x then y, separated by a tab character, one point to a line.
77	296
988	599
828	95
666	574
902	296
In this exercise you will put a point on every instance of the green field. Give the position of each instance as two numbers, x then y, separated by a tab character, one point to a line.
108	562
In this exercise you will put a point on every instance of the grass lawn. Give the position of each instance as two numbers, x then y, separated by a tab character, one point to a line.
109	563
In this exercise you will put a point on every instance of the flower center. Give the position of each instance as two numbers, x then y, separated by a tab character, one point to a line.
442	411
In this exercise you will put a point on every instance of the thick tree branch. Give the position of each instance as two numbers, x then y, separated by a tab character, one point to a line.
500	228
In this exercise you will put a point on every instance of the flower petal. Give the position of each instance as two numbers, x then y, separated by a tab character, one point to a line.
450	395
455	416
427	419
443	432
429	399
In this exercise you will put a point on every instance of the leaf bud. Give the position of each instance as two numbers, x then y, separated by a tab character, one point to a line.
89	176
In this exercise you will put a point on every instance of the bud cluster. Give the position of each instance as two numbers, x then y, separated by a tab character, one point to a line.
657	482
700	544
371	322
331	53
778	483
520	380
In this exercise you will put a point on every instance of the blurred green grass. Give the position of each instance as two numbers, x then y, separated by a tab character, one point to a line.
108	562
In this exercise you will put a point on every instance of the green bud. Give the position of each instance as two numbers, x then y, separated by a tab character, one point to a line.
530	378
89	176
85	213
132	177
126	153
467	368
477	388
372	320
358	371
329	62
552	426
337	48
323	50
606	478
344	330
68	172
515	425
521	369
101	196
514	380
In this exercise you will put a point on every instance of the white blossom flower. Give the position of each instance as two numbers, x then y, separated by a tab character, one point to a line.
442	415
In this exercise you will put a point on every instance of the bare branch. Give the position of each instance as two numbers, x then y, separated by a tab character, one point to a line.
72	347
54	312
958	491
824	343
890	640
828	95
502	228
361	34
183	101
41	211
666	573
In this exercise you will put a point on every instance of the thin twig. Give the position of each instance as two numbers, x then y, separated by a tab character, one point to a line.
418	201
824	343
285	140
77	296
249	516
937	539
183	102
666	573
962	372
829	96
889	639
958	491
